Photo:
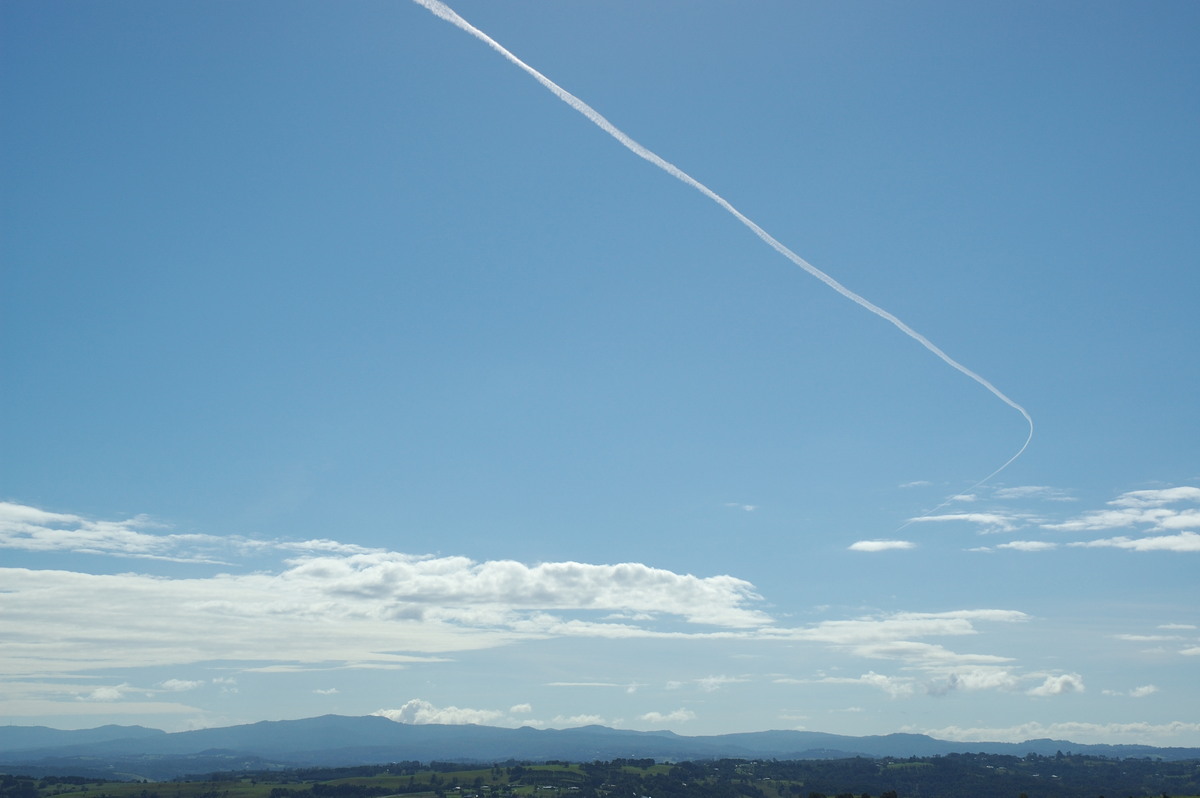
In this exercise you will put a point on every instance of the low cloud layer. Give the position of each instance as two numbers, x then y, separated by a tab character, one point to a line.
324	606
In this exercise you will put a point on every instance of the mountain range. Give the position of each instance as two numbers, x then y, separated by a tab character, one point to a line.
335	740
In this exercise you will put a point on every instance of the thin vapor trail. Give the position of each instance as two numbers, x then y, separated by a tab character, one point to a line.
445	12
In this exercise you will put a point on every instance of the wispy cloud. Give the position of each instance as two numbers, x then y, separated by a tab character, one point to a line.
1137	692
1183	542
710	684
181	685
32	529
1082	732
668	718
1028	545
381	609
894	686
990	522
1149	510
881	545
1033	492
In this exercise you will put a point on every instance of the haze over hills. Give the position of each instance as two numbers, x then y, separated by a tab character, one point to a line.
333	740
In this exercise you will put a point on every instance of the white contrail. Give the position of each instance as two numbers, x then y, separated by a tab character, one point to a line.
445	12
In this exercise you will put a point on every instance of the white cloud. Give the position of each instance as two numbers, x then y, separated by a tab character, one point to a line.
881	545
1028	545
360	605
1157	498
893	686
902	626
710	684
749	508
919	483
1141	508
1059	685
402	579
1112	733
520	709
1183	542
677	716
30	529
18	708
1143	691
108	693
1191	652
330	691
418	712
1177	626
991	522
1147	638
574	721
1033	492
180	685
970	679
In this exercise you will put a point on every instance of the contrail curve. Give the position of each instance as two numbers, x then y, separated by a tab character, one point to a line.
443	11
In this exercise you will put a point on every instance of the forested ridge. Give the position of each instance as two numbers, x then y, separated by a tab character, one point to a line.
949	776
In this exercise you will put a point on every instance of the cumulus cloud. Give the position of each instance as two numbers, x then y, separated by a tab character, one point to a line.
881	545
970	679
1059	685
330	691
419	712
1143	691
376	609
459	582
381	609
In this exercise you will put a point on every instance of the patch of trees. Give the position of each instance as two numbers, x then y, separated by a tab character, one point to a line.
18	787
950	776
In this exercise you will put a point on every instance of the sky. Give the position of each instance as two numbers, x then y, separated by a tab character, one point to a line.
346	369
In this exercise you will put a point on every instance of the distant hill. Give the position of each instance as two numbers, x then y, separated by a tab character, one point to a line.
24	738
336	740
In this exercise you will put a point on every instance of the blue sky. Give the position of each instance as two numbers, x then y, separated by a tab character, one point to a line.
346	369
